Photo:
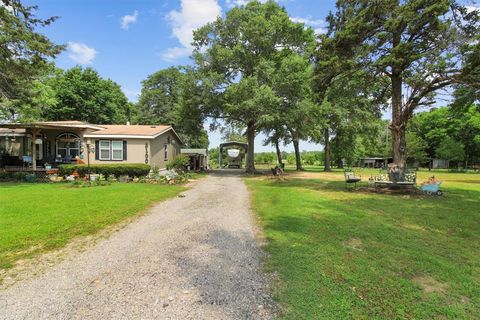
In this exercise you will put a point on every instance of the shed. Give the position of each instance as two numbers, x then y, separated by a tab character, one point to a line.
198	158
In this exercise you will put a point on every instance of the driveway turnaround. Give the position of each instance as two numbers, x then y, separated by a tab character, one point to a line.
192	257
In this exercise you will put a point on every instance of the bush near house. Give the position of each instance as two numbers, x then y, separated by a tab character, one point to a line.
178	164
108	170
6	176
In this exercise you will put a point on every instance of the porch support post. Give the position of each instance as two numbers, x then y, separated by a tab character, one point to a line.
34	148
220	158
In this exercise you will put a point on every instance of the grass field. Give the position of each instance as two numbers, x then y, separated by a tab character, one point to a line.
35	218
354	255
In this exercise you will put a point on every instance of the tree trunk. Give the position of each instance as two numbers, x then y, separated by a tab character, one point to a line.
339	163
279	153
397	171
326	151
298	157
250	167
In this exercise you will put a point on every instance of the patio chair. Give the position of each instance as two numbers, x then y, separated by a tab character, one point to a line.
67	159
27	161
351	178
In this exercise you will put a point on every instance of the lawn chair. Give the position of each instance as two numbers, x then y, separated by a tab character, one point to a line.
351	177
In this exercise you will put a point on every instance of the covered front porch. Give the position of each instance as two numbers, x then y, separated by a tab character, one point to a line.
41	146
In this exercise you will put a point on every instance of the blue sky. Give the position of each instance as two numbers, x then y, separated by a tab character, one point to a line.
126	40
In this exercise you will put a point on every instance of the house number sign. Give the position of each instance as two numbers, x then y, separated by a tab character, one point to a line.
146	153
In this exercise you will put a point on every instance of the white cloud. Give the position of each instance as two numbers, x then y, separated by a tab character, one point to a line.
172	54
238	3
127	20
192	15
318	25
8	7
81	53
473	7
132	95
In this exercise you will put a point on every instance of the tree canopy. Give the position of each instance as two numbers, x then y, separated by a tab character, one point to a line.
239	52
174	96
415	43
81	94
24	53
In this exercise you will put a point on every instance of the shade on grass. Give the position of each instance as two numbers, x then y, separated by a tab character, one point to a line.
344	255
39	217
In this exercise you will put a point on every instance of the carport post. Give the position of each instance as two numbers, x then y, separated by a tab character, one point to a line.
220	158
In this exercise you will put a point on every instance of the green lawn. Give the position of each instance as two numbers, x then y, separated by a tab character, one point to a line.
352	255
35	218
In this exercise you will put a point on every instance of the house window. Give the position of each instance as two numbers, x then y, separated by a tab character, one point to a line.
104	150
68	144
165	151
111	150
117	150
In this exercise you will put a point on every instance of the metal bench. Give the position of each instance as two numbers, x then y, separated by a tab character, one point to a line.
351	178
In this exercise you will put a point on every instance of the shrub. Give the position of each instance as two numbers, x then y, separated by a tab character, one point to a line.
178	164
108	170
5	175
20	176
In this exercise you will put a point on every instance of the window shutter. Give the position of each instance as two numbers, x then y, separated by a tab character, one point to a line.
97	150
124	150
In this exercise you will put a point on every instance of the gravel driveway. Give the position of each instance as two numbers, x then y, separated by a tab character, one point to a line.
194	257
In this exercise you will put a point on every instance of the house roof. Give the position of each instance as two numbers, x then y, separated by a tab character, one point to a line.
131	131
51	125
99	130
194	151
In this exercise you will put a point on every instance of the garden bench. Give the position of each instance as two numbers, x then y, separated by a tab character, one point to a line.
351	177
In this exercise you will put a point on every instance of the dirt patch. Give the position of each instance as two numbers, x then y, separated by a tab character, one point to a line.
315	175
354	244
415	227
430	285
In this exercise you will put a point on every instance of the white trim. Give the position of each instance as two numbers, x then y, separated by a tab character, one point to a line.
118	136
100	150
13	134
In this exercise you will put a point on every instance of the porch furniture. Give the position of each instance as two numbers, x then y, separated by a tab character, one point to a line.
67	159
351	178
10	161
27	161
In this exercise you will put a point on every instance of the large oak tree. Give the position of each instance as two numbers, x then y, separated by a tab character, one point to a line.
238	51
418	44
